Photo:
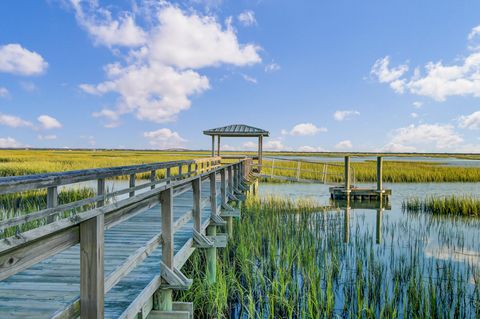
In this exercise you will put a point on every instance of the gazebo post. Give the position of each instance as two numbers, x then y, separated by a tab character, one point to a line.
213	145
218	146
260	152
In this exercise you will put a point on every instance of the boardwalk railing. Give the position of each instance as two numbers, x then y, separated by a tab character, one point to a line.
305	171
56	232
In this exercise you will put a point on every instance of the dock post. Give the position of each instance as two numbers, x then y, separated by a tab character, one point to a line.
380	175
163	297
230	180
347	176
92	280
213	145
197	204
223	188
52	201
212	231
131	184
218	145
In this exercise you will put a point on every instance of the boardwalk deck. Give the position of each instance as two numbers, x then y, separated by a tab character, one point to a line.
53	284
107	262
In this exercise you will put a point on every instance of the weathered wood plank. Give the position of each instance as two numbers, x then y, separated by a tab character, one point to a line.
91	268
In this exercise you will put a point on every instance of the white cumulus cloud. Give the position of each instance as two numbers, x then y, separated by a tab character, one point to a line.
14	121
344	115
247	18
342	145
17	60
156	80
471	121
47	122
272	67
442	136
9	142
438	80
104	29
164	138
303	129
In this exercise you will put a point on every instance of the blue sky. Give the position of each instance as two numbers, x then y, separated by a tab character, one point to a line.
319	75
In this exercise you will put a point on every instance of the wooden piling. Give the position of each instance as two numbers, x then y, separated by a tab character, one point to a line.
347	176
163	297
212	231
92	280
379	174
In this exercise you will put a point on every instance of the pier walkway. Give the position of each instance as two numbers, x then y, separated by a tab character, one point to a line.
119	253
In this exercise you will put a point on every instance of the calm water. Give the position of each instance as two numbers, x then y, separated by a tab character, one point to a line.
398	237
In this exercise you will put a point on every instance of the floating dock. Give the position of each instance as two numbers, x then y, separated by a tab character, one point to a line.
347	191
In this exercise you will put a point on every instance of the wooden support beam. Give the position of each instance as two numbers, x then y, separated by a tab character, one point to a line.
197	205
131	184
379	174
230	179
101	191
52	201
218	145
213	145
163	297
212	231
153	178
168	174
347	175
92	268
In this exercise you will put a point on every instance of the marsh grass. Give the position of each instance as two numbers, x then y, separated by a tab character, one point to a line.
18	204
288	260
453	205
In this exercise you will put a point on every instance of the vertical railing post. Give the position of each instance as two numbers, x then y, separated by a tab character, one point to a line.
132	184
273	166
180	171
230	180
223	188
298	170
101	191
163	297
347	176
189	170
153	177
212	231
197	202
91	268
168	174
52	201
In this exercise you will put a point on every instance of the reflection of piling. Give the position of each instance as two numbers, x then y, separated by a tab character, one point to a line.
378	225
346	226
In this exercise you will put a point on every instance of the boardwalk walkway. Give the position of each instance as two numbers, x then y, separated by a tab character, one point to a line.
51	287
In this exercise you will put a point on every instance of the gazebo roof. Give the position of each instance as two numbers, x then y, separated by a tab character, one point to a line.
236	130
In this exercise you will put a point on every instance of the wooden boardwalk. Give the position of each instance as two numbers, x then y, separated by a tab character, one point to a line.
133	261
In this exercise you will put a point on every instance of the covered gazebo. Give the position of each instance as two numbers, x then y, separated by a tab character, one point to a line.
237	130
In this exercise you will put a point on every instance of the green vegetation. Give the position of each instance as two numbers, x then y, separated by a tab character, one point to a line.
23	162
289	260
453	205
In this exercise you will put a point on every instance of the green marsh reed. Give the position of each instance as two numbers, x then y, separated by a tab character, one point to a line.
453	205
289	260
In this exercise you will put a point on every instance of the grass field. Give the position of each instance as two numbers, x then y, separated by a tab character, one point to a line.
23	162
